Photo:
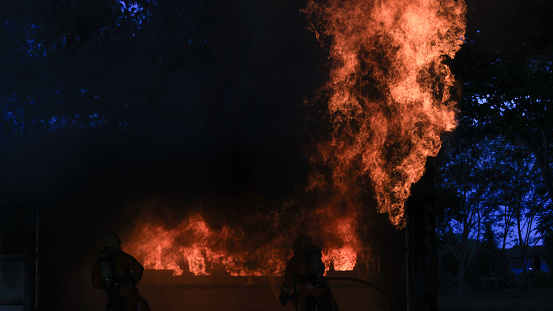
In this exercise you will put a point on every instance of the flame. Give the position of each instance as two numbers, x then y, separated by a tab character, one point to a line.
389	101
388	90
343	258
195	244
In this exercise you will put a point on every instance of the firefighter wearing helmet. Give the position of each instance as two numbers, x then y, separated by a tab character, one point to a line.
117	273
304	273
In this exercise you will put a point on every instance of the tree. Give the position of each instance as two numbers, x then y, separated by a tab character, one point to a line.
506	70
500	196
544	228
488	249
514	104
464	179
490	178
530	201
78	63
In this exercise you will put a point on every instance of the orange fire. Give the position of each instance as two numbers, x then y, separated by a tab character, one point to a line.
389	101
343	258
388	91
203	249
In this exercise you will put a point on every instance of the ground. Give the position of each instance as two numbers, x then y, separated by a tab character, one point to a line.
512	299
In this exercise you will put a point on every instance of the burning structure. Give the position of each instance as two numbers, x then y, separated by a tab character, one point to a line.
386	101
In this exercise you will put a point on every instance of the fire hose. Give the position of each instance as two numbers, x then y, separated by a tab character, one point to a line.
367	283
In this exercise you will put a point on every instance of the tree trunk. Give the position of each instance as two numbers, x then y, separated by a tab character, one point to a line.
460	275
476	285
543	161
461	267
523	254
423	250
524	273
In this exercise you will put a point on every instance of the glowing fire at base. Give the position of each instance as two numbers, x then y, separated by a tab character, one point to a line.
388	92
194	244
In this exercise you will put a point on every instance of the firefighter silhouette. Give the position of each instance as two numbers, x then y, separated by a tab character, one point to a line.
117	273
304	273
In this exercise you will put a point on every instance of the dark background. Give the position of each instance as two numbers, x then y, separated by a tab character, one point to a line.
202	111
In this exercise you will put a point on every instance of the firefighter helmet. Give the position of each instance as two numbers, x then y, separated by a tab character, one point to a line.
112	240
301	242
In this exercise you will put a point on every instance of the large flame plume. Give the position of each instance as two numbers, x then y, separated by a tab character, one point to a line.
388	92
